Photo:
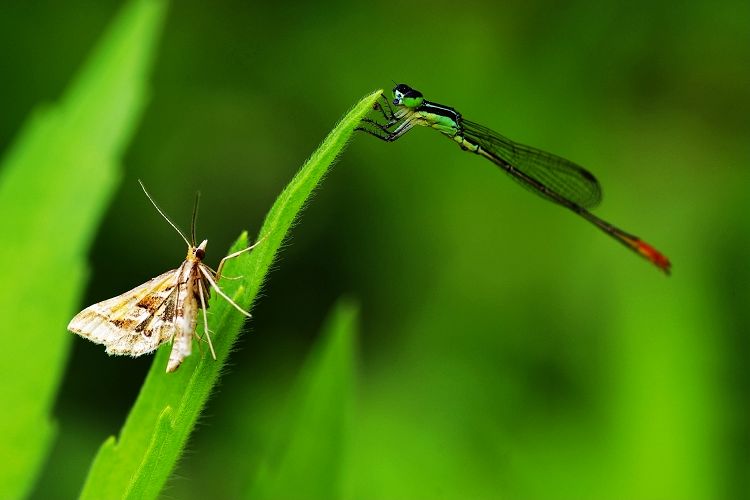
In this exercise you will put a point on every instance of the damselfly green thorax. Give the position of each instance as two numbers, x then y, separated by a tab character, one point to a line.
550	176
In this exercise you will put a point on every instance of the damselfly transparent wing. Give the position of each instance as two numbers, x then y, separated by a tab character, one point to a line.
562	176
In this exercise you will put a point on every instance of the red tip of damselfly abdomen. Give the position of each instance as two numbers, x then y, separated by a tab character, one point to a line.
652	254
633	242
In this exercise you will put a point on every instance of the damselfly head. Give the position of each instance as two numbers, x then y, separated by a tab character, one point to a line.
403	95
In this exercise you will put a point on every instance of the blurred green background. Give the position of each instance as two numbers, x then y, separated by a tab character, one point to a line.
508	349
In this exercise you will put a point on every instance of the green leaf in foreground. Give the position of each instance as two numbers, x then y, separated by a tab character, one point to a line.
138	464
310	452
56	181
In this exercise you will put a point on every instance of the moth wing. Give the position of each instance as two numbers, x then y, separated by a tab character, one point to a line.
136	322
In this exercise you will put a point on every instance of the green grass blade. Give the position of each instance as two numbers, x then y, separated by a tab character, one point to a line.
66	160
138	464
310	453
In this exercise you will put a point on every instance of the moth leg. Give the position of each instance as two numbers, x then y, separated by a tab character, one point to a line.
201	294
231	278
223	295
235	254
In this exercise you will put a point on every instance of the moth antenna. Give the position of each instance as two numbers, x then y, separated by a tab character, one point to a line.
193	223
161	212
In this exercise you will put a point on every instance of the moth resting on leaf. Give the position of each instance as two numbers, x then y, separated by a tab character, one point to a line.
164	309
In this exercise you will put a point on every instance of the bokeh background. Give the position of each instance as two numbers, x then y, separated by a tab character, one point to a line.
508	349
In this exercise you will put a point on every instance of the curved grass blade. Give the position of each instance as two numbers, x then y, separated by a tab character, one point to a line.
56	181
138	464
315	435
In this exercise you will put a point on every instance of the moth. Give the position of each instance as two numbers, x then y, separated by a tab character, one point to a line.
164	309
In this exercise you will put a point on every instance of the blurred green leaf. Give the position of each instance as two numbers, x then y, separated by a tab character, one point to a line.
309	457
67	160
139	463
